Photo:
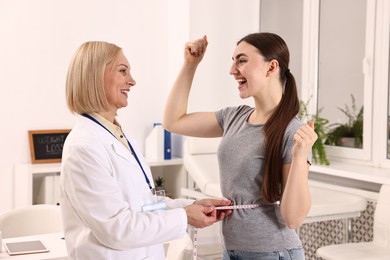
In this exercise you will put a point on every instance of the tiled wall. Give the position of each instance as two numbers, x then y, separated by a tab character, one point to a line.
315	235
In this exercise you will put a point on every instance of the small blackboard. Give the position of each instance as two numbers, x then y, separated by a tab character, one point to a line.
46	145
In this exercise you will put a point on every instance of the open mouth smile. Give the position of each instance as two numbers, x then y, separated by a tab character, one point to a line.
241	82
125	91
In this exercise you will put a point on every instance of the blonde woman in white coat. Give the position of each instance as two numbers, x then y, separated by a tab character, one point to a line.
105	182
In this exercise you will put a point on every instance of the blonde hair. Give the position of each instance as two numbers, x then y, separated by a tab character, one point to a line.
84	81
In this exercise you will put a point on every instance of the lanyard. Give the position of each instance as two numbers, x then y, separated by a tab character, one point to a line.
131	148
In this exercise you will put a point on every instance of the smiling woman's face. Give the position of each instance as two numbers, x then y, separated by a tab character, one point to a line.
117	82
249	69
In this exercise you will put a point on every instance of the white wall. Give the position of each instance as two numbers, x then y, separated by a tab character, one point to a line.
285	17
224	22
39	37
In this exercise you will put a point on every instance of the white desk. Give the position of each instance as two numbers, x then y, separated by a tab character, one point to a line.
54	242
326	204
329	204
333	205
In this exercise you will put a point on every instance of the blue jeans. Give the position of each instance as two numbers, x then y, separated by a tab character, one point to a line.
290	254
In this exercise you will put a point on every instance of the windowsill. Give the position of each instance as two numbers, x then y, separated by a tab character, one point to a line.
354	171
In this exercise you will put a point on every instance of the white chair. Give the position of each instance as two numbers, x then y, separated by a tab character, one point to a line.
31	220
378	249
200	161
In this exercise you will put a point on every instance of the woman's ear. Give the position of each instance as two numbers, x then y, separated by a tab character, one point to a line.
272	67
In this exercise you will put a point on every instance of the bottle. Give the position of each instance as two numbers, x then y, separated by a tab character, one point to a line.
158	144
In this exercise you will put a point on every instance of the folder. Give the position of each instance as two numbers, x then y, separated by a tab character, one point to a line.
167	145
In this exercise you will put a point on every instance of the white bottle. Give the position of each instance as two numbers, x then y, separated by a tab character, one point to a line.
154	144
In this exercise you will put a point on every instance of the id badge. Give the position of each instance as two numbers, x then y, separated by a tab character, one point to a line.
158	203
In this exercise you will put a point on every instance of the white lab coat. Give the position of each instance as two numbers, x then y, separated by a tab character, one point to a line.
102	193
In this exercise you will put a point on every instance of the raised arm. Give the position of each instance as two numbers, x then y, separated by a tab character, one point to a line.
176	118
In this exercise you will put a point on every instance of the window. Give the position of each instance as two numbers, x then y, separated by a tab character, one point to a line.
331	72
344	51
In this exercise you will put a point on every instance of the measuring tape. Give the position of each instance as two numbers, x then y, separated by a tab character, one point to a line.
195	230
248	206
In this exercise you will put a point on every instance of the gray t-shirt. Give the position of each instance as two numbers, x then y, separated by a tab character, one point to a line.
240	156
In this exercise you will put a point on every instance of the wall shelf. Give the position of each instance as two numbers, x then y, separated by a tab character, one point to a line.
26	178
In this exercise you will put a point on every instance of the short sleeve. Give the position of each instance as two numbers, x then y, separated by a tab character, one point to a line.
288	141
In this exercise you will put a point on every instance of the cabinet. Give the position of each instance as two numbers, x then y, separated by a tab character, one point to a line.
35	183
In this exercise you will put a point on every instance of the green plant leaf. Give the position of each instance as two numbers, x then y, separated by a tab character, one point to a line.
320	127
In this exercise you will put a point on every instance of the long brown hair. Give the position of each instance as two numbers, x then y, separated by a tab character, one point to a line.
273	47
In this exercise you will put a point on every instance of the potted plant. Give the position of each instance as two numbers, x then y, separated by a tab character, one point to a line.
320	127
159	183
348	134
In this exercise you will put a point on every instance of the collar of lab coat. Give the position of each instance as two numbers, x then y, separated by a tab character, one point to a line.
108	139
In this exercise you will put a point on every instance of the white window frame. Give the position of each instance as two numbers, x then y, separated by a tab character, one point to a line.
381	90
310	77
